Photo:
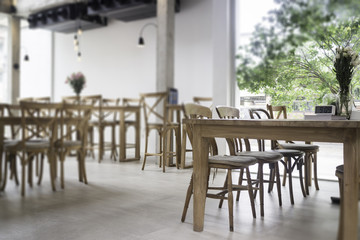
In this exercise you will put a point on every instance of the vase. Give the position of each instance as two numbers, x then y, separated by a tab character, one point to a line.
344	104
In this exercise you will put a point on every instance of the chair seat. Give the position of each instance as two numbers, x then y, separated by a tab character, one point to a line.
28	145
266	156
11	141
233	161
299	146
68	143
289	152
340	168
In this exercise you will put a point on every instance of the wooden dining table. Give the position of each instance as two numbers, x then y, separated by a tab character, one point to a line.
346	132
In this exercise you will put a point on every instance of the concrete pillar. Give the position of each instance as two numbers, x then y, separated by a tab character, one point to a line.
14	53
165	44
224	71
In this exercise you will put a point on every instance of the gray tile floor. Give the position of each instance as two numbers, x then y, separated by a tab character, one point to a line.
123	202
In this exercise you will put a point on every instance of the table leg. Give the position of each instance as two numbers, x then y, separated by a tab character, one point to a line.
351	173
201	150
122	150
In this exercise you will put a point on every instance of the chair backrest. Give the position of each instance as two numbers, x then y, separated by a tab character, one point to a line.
277	112
154	106
235	144
205	101
196	111
131	102
74	121
109	115
259	113
34	125
71	99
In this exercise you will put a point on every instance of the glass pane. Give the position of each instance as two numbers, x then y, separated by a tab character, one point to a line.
4	39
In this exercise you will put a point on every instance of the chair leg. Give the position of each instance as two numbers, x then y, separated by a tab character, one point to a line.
187	199
23	174
183	147
306	169
285	172
289	169
299	167
230	200
146	147
82	166
178	147
250	190
278	183
162	159
40	168
261	182
7	161
314	155
164	149
240	183
13	166
225	186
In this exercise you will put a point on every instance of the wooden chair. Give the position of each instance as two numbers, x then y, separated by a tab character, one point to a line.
74	121
263	157
35	140
278	112
205	101
108	119
289	154
155	114
228	163
96	102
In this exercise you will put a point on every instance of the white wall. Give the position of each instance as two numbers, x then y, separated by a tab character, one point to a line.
35	74
116	67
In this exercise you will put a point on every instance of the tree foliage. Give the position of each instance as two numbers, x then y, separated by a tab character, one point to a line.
293	58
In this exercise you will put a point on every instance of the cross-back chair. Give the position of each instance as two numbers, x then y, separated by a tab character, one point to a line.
288	154
108	119
38	134
228	163
155	115
205	101
279	112
73	137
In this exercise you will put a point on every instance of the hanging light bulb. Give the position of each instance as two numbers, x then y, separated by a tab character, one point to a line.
75	39
79	31
79	56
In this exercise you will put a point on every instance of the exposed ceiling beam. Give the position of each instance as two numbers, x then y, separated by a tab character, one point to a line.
26	7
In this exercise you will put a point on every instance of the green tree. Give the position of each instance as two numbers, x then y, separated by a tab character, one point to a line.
293	58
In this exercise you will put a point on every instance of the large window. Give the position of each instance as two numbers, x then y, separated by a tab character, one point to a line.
4	47
250	13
